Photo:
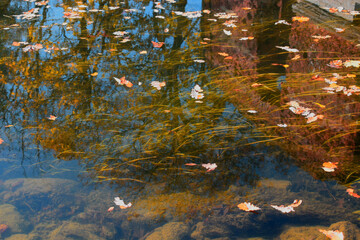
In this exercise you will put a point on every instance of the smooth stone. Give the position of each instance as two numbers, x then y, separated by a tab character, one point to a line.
74	230
18	237
11	217
170	231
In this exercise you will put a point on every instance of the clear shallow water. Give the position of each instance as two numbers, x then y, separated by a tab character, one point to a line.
134	141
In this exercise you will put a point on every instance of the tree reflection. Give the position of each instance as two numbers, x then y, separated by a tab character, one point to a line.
127	136
333	139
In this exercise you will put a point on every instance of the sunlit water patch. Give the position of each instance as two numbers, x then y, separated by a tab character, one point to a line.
178	120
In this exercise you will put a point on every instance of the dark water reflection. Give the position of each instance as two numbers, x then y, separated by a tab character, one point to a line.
134	140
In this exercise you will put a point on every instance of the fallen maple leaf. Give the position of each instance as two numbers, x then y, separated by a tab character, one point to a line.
350	191
329	166
339	30
157	44
123	81
297	56
52	118
335	64
196	92
333	235
223	54
289	208
121	203
317	77
209	166
158	85
296	203
256	85
248	207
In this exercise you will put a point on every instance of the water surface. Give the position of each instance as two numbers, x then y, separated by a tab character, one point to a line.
138	99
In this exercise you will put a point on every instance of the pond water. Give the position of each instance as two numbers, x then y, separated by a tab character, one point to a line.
215	120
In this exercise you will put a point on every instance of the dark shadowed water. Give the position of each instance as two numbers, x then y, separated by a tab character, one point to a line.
189	110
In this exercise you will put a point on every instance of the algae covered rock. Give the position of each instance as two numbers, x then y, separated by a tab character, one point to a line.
296	233
203	231
18	237
49	197
11	217
170	231
350	231
38	186
74	230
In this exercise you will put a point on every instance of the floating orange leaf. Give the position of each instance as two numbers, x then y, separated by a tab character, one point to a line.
351	192
256	84
123	81
94	74
329	166
1	141
297	56
52	118
16	44
223	54
190	164
317	77
335	64
300	19
248	207
157	44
